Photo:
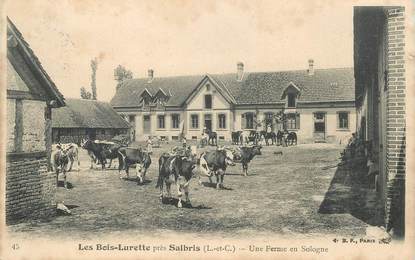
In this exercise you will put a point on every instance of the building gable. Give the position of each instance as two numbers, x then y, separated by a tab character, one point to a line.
196	99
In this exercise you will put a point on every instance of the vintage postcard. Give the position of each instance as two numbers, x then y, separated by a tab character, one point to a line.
207	129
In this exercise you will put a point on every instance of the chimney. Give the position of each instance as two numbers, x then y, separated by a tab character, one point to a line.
150	74
240	71
310	67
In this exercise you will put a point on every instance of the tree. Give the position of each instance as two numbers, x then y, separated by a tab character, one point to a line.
85	94
121	74
94	67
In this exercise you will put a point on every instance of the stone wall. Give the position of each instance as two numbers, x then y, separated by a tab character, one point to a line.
395	120
30	188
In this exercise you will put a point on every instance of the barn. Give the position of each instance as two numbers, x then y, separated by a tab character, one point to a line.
31	95
379	57
81	119
319	104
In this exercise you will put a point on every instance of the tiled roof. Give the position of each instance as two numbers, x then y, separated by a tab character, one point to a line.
48	84
81	113
254	88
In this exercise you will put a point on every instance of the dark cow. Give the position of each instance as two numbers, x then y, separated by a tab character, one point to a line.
280	137
101	151
292	138
175	169
237	138
246	154
215	162
59	161
212	137
128	156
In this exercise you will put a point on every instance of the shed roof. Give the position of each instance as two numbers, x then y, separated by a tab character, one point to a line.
81	113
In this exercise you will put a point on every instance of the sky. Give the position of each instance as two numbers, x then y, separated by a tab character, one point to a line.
180	37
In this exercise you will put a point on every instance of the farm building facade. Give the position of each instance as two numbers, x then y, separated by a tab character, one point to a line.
319	104
83	119
379	56
31	94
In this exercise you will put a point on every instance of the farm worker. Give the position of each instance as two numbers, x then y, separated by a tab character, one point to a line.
149	146
269	129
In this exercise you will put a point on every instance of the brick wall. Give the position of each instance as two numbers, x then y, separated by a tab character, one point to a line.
395	120
30	188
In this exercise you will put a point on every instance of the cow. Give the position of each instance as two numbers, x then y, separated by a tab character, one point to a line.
237	137
291	138
215	163
254	137
246	154
212	137
72	151
101	151
268	136
128	156
59	162
175	169
280	137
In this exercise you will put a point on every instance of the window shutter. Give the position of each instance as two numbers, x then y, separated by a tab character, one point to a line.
243	121
297	119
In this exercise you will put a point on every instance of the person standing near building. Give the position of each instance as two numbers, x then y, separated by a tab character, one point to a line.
149	146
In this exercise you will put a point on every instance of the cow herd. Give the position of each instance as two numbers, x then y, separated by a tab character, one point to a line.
177	166
283	138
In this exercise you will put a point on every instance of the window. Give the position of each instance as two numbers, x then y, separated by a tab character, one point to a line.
194	121
160	122
343	120
293	121
248	120
207	87
222	121
291	100
175	120
208	101
131	119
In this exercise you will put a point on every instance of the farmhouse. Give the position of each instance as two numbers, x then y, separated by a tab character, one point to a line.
319	104
82	119
31	94
379	57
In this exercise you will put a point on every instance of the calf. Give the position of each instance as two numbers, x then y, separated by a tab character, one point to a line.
128	156
59	162
175	169
215	162
246	155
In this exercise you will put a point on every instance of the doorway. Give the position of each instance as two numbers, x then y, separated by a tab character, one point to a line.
319	127
208	122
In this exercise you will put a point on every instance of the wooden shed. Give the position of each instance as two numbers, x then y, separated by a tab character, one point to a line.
81	119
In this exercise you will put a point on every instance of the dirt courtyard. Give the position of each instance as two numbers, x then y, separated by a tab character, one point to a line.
283	195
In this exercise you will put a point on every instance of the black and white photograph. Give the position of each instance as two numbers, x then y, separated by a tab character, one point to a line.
207	129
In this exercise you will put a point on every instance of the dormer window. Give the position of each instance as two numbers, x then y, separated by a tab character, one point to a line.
290	94
291	100
208	101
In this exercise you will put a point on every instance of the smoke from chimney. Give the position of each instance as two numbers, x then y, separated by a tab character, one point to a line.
150	75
